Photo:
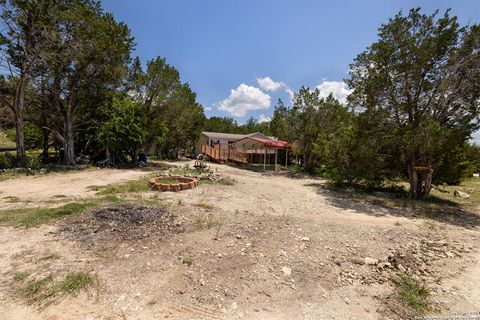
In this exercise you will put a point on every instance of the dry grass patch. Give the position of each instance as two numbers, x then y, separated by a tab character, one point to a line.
33	217
139	185
204	205
48	289
207	222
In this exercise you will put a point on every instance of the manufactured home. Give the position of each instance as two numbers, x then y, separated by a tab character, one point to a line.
223	140
252	149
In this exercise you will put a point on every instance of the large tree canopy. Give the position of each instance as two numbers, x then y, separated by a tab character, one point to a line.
24	38
421	81
89	52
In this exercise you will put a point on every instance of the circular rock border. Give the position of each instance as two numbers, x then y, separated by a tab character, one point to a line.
186	183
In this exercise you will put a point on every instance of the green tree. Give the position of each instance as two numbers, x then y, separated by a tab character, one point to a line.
124	129
90	51
313	121
423	77
222	124
279	124
24	38
176	118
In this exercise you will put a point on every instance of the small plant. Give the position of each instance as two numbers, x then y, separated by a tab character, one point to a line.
185	171
5	162
169	181
222	181
112	198
74	282
52	256
412	292
398	224
37	291
204	205
188	260
180	202
20	276
46	290
206	222
379	202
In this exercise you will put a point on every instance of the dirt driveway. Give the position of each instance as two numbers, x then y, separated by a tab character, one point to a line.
268	247
34	191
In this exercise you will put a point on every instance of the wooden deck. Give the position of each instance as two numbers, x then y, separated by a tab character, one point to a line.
217	154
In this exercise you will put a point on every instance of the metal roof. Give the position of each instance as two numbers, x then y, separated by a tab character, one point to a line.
263	143
232	136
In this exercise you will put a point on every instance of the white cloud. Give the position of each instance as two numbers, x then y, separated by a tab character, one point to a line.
264	118
290	93
267	84
207	108
244	99
476	137
339	90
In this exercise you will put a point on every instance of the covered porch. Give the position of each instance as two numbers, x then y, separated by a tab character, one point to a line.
260	152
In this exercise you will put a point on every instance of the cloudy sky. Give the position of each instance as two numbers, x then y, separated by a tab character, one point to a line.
241	56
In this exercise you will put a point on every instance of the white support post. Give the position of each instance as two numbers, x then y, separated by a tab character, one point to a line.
276	152
265	160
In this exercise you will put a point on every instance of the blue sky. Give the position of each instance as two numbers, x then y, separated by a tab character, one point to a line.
241	56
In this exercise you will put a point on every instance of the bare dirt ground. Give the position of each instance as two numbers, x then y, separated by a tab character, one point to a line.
268	247
34	191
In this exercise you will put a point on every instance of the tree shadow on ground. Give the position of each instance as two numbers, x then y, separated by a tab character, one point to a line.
270	171
154	166
384	203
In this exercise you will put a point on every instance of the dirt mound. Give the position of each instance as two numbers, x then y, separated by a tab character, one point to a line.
127	222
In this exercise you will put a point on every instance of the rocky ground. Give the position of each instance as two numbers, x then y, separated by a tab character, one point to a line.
268	247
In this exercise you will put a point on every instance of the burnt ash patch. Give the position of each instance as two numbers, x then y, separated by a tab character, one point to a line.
124	223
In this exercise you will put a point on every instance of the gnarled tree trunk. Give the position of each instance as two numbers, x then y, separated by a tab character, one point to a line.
420	180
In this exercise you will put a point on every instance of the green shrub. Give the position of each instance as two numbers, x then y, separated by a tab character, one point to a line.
11	134
33	162
5	162
33	136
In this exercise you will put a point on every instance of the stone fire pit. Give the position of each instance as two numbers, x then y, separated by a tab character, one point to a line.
172	183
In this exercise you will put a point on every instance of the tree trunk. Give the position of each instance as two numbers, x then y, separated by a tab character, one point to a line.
68	143
46	134
134	155
19	111
20	142
412	179
420	181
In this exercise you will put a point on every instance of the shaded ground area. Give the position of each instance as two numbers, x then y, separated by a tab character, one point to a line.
440	210
268	247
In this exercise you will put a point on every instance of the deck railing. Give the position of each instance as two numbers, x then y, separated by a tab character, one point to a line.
217	153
